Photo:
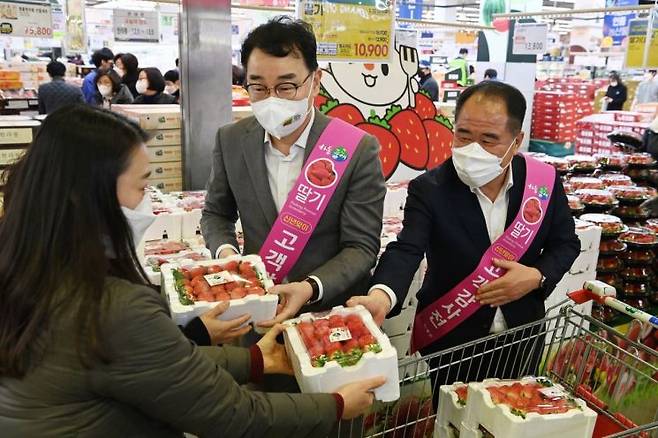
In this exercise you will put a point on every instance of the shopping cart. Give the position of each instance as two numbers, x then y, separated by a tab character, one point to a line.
591	360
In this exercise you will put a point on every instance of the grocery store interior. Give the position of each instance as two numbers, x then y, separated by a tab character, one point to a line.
460	240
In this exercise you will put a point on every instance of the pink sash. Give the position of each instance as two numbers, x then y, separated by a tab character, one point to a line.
309	198
456	306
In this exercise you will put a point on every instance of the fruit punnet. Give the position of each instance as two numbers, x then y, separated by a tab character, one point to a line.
221	282
343	339
524	398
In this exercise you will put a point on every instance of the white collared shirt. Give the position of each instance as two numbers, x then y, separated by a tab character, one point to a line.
282	173
495	216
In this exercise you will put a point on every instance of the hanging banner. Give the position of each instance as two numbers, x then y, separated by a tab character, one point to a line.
136	26
652	60
26	20
616	24
75	40
637	38
530	38
351	30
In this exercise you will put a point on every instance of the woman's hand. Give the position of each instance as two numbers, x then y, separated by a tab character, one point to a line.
275	357
222	332
359	396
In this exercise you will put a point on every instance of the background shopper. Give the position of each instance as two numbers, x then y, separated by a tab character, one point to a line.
617	93
85	338
57	93
151	87
172	84
111	90
647	91
427	82
127	66
102	58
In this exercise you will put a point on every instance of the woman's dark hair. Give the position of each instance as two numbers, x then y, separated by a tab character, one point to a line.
117	57
280	37
114	77
61	218
513	98
172	76
156	80
130	64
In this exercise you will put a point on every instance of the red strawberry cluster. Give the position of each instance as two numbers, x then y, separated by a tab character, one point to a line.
317	337
417	136
524	398
192	285
321	173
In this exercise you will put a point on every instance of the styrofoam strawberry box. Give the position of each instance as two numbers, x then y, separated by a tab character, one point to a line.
452	406
380	359
153	263
574	420
260	307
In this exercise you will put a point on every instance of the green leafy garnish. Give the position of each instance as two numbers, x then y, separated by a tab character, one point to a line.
180	283
375	348
518	412
351	358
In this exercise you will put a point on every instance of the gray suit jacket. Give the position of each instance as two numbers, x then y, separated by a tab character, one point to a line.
346	242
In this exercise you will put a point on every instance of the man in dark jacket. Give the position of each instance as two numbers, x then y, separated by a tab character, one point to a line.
455	213
427	82
57	93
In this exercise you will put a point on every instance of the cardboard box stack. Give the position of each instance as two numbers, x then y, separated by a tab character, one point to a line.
163	123
592	131
554	116
16	134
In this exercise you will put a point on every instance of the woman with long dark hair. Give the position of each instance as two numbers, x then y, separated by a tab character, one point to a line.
127	66
616	94
87	347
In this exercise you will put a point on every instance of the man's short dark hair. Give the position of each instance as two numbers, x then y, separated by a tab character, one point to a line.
156	81
280	37
463	51
56	69
491	73
513	98
101	55
171	76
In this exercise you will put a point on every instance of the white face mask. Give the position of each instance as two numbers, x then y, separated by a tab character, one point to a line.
140	218
475	166
105	90
614	83
142	86
281	117
121	72
170	89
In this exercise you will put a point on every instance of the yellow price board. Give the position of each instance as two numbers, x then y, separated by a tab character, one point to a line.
652	62
348	30
637	38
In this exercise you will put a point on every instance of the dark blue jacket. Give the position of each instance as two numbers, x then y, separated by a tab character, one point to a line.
56	94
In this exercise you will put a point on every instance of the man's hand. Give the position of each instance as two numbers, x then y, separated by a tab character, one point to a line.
226	252
377	302
222	332
275	357
293	297
516	283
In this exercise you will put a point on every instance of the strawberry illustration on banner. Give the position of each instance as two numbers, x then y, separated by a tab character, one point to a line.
384	101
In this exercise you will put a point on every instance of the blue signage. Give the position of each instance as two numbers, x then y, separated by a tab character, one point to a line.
615	25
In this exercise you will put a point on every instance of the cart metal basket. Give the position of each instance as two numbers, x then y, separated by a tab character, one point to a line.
591	360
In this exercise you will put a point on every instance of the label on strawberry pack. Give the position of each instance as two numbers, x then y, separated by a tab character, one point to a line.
219	278
553	392
340	334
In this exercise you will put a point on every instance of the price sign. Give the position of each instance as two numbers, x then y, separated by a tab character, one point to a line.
136	26
530	38
25	20
351	30
637	38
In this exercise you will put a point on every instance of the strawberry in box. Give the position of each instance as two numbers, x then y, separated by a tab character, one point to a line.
194	289
328	351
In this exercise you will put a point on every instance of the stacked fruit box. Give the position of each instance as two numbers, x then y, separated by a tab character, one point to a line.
554	116
16	134
163	123
343	346
513	409
592	131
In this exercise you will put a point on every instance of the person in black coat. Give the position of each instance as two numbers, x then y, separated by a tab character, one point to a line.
127	66
616	94
453	214
151	86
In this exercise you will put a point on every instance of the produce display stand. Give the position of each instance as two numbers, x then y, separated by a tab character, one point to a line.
572	346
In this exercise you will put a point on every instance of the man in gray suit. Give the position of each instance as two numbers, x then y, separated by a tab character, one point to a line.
258	160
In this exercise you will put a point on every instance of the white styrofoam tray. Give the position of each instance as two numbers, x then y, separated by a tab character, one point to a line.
155	277
499	421
166	224
450	412
261	308
332	376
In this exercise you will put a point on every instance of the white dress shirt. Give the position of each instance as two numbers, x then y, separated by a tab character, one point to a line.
282	173
495	216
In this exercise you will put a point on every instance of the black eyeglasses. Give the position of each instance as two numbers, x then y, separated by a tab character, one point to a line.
284	90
